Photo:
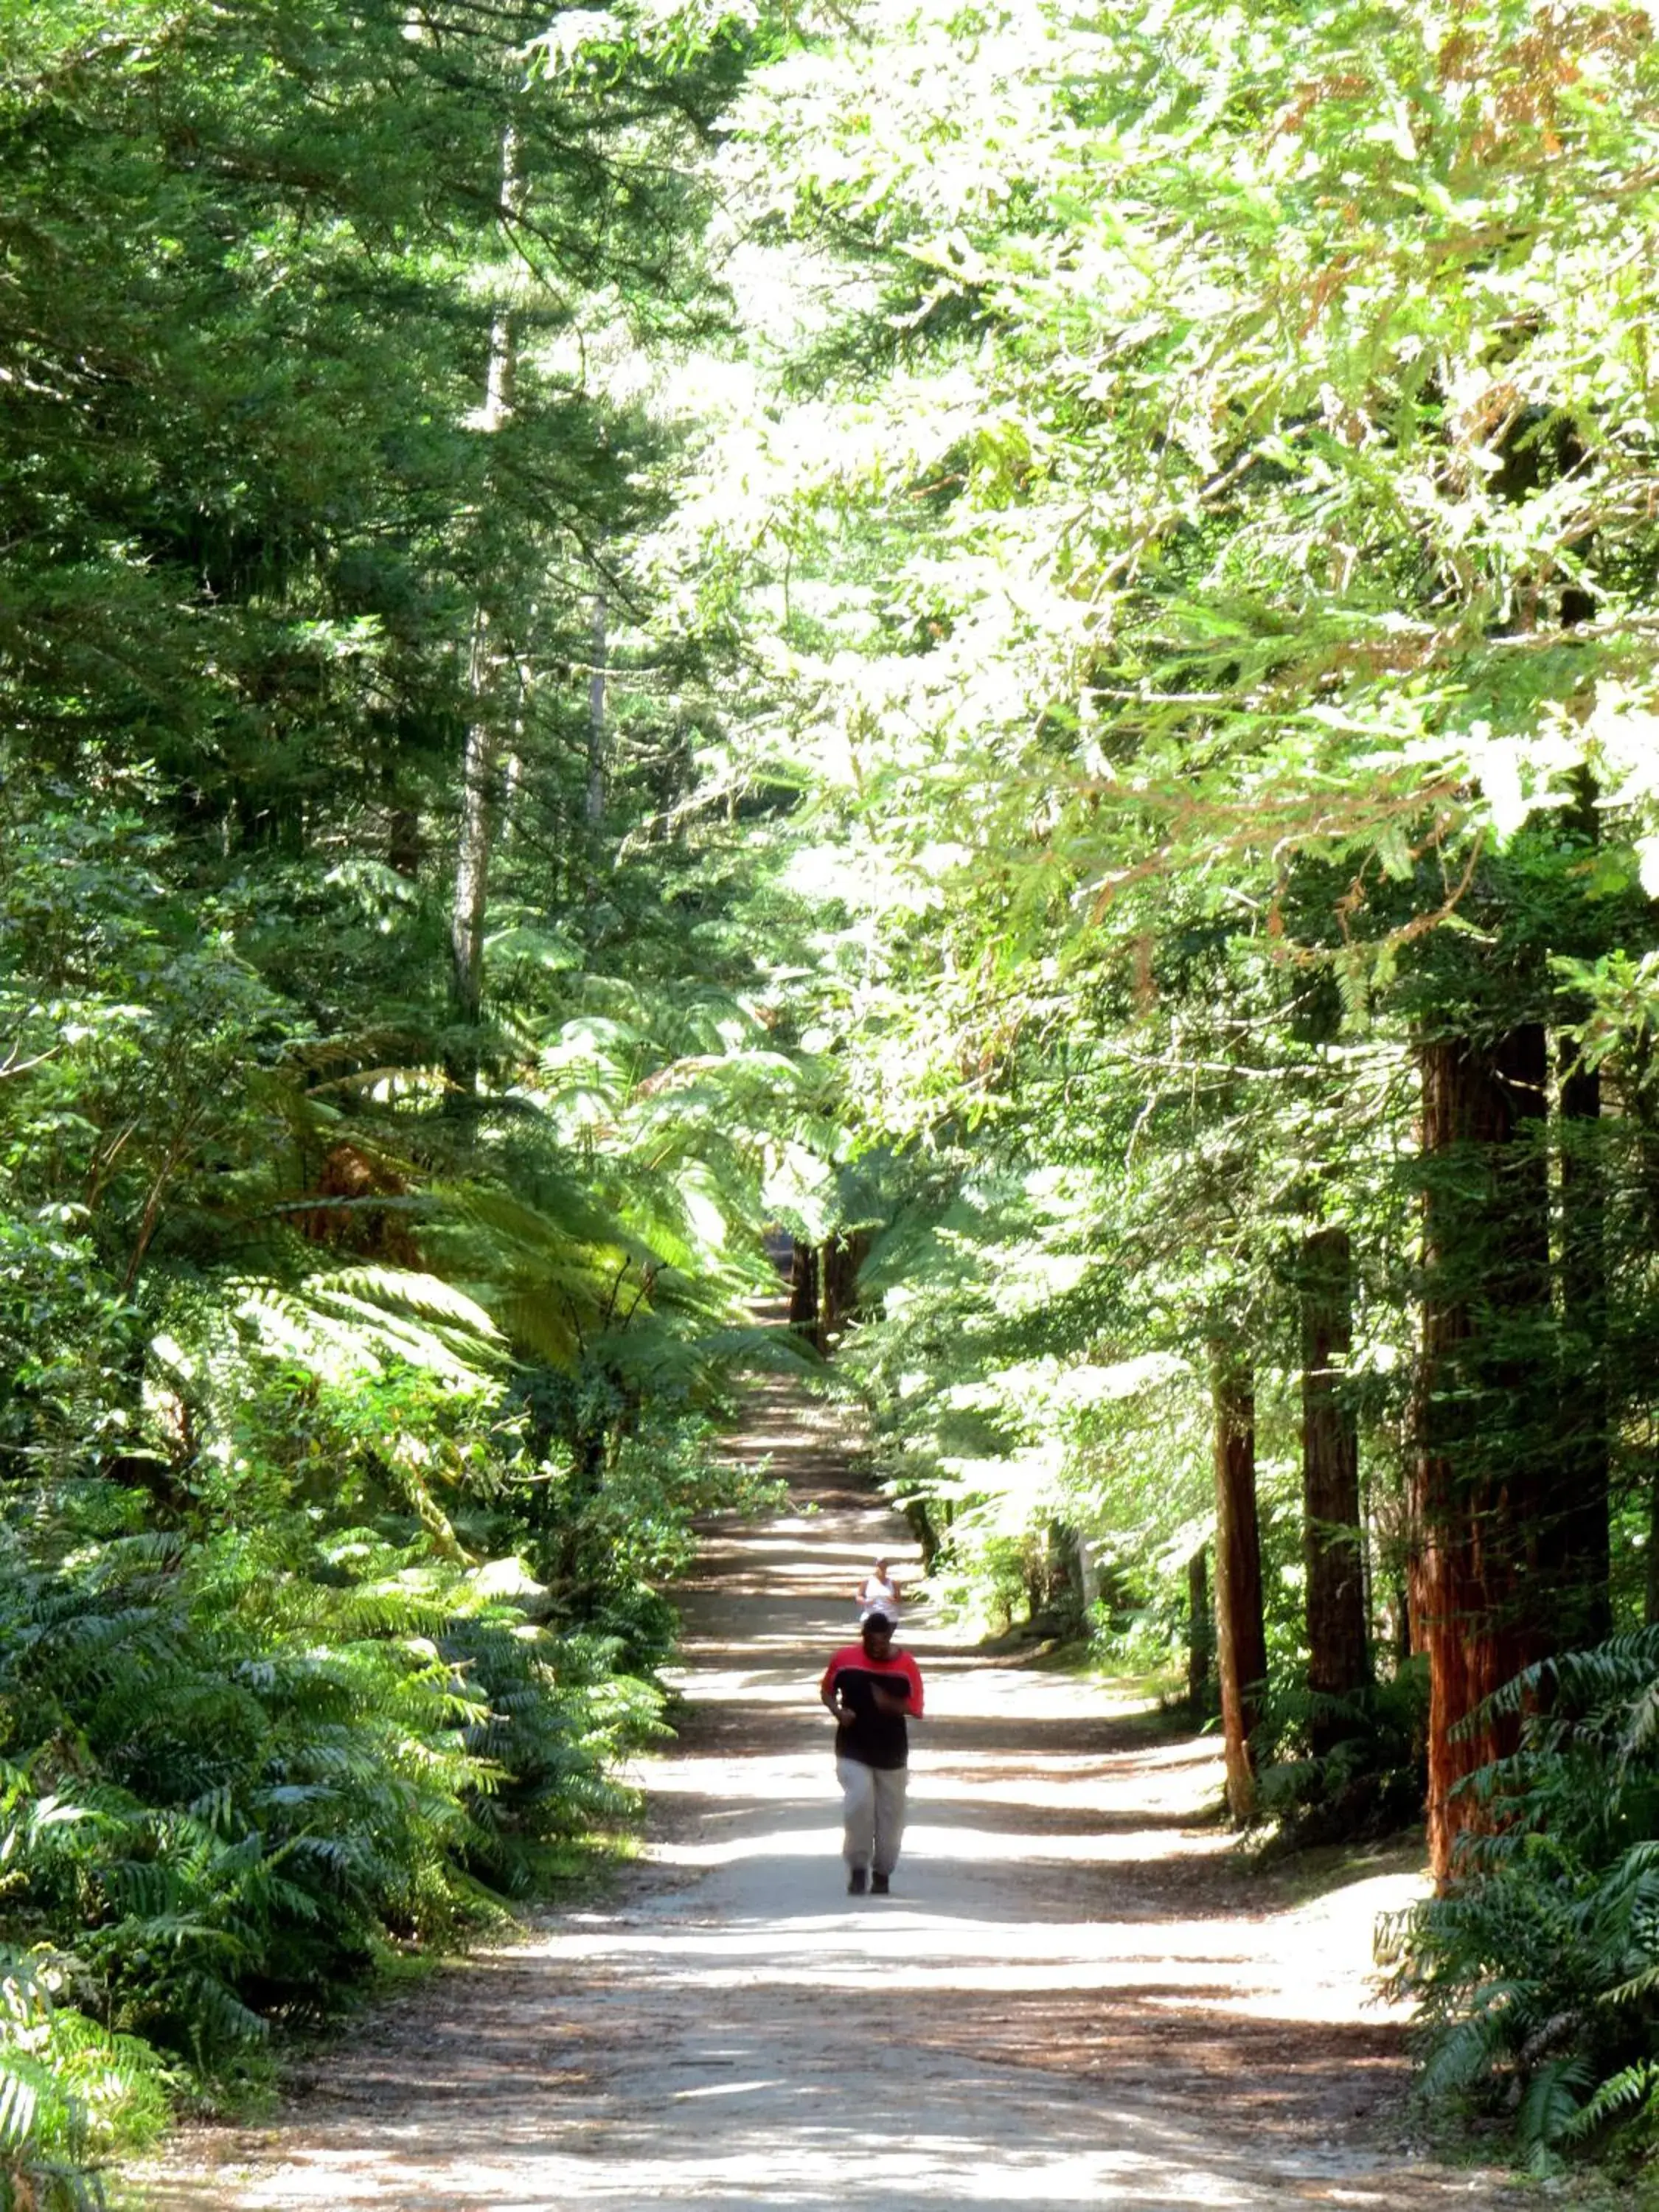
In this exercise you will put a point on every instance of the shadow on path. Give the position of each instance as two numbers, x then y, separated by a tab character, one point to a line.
1071	2000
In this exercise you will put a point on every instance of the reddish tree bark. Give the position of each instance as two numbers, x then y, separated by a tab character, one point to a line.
1240	1638
1338	1644
1583	1550
1482	1486
1200	1629
348	1182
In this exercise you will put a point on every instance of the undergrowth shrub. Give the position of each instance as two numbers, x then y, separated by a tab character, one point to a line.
70	2090
345	1440
1536	1974
1369	1776
239	1774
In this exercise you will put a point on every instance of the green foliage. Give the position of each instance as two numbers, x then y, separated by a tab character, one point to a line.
70	2090
1013	761
243	1766
358	1357
1207	570
1537	1972
238	1771
1369	1778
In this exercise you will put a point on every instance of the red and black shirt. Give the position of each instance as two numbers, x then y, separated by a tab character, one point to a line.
873	1738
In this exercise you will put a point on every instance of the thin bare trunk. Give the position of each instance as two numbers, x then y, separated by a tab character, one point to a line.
1338	1651
1200	1630
1088	1575
594	807
482	757
480	779
1241	1639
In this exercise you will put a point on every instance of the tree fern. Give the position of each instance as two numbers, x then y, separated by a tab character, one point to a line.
1551	2104
1540	1966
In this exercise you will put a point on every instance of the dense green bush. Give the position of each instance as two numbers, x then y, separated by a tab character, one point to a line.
234	1781
241	1770
334	1532
1537	1972
70	2090
1369	1779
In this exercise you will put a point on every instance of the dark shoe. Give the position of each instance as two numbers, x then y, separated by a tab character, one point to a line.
878	1884
858	1881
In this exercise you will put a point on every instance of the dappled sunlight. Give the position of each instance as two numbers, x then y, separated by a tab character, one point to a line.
830	2163
935	1845
1071	1989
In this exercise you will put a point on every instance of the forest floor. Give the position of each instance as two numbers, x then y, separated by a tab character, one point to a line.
1076	1996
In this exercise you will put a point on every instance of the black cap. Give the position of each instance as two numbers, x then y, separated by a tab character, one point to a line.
878	1619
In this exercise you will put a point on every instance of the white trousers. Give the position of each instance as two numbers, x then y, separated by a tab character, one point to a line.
872	1813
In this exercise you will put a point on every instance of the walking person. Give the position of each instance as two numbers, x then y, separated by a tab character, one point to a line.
879	1593
871	1690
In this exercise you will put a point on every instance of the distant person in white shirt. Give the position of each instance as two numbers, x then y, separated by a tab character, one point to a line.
879	1593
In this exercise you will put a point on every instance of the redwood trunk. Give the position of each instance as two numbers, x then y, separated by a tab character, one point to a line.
1585	1607
1481	1482
1241	1639
1200	1630
1339	1649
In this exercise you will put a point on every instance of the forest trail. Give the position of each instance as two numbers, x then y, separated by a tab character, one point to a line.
1073	1998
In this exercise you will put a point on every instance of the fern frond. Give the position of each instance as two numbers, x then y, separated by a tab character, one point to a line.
1551	2102
1624	2096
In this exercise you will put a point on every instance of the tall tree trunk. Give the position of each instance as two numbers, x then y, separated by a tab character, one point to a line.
1088	1574
1584	1466
404	846
1481	1478
1637	1104
482	756
838	1277
1200	1630
1241	1636
593	804
1339	1648
1586	1609
481	772
803	1289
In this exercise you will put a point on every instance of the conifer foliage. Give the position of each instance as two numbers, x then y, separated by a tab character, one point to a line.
1210	547
362	1320
1019	639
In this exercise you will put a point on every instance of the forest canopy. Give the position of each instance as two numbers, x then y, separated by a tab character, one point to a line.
1015	644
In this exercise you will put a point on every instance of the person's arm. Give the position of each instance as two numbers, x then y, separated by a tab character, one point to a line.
903	1693
900	1692
830	1697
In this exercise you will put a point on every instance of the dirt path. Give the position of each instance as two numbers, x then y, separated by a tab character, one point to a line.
1071	1999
